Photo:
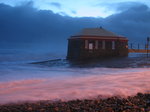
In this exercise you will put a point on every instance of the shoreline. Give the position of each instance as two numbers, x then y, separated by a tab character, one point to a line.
137	103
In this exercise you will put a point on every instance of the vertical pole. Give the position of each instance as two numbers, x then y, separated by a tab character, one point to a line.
131	45
138	46
147	49
147	45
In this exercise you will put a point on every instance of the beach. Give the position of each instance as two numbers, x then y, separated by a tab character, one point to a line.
73	87
137	103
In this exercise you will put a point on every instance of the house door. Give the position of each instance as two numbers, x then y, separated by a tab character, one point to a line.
90	46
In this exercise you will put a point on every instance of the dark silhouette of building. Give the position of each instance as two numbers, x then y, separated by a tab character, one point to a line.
94	43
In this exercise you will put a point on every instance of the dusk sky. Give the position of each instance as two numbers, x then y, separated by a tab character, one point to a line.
49	22
81	8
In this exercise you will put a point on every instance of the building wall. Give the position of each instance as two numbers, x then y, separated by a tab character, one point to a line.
86	49
74	49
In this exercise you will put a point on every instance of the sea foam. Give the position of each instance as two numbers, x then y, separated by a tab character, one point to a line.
76	84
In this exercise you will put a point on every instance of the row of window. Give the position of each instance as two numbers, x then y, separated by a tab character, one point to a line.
98	45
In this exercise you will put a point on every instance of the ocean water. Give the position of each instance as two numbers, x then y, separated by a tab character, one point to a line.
21	80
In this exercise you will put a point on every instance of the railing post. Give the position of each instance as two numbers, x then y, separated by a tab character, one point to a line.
138	46
148	39
131	45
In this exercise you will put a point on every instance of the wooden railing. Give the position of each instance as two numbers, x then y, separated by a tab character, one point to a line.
138	51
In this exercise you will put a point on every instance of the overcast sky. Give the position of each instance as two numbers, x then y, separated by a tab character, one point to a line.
48	24
80	8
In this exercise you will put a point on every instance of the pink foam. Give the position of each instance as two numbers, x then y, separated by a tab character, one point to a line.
68	88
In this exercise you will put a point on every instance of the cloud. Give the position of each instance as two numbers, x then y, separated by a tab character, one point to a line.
117	7
73	12
122	6
133	23
24	24
42	29
56	4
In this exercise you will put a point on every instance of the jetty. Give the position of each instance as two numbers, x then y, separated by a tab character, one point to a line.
138	51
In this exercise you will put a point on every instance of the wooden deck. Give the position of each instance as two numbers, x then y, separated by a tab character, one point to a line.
138	51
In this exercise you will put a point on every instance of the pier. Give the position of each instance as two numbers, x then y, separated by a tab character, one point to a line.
138	51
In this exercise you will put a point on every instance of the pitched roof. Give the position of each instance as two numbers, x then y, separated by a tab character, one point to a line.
96	32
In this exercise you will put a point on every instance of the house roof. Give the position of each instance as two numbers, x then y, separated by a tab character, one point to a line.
96	33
